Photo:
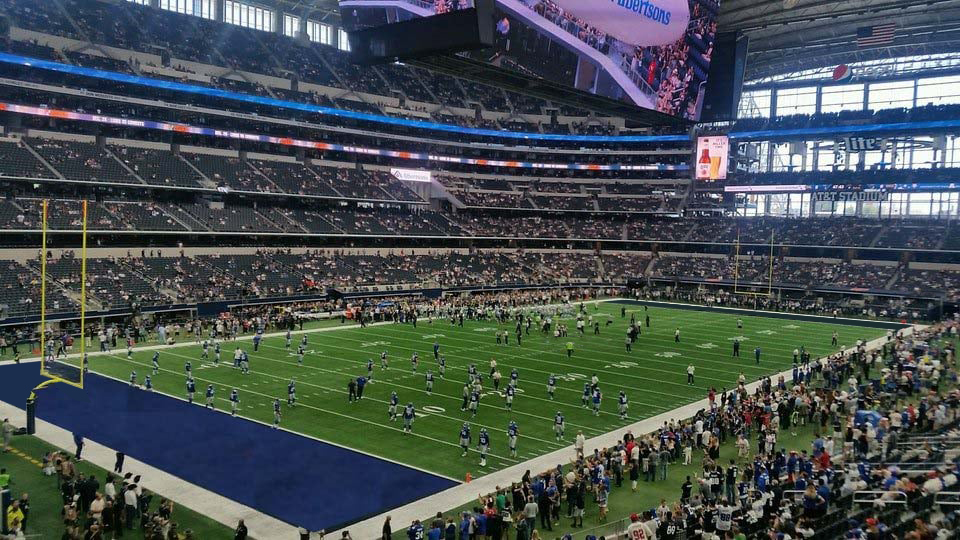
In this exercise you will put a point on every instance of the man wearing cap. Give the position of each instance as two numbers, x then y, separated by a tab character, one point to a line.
636	530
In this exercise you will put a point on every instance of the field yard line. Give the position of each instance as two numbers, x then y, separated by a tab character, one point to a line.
369	529
621	355
465	369
665	343
680	373
440	394
269	397
747	367
703	315
341	391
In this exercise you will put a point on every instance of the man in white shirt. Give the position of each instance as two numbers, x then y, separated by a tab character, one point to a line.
579	443
130	505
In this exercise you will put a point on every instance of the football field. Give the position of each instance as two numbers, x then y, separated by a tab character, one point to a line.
653	376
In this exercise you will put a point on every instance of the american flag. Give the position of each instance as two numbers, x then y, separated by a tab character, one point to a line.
877	34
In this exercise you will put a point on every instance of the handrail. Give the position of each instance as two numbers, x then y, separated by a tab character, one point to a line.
936	498
857	500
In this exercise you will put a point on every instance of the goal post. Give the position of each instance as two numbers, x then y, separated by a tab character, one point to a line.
57	367
736	272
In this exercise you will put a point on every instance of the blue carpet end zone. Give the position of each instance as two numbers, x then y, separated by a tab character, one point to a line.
292	478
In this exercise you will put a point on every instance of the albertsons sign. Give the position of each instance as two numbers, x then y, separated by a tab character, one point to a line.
637	22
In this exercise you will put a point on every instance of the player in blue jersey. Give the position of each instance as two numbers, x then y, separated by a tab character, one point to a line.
187	368
392	408
514	377
300	355
436	350
216	353
370	369
277	413
205	353
384	364
244	363
303	341
133	378
465	438
156	362
442	365
191	389
256	342
558	425
474	403
415	531
234	401
512	432
415	361
597	397
511	391
472	372
408	415
483	445
551	385
210	394
623	404
585	398
292	393
429	379
288	338
147	384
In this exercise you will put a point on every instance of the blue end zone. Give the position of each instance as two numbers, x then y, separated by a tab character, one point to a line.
295	479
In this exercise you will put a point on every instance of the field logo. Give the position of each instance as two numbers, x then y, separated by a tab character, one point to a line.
668	354
741	338
706	346
621	365
374	343
636	22
433	336
767	332
433	409
791	327
500	393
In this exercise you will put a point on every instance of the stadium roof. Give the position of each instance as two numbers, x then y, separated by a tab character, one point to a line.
793	35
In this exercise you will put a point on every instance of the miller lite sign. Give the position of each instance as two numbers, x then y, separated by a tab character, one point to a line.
859	144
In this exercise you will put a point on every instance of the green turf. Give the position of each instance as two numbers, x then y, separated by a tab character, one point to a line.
653	375
46	503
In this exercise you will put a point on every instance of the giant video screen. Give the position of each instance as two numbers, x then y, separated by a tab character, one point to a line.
654	54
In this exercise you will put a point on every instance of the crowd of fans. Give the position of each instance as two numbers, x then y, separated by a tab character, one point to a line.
157	279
